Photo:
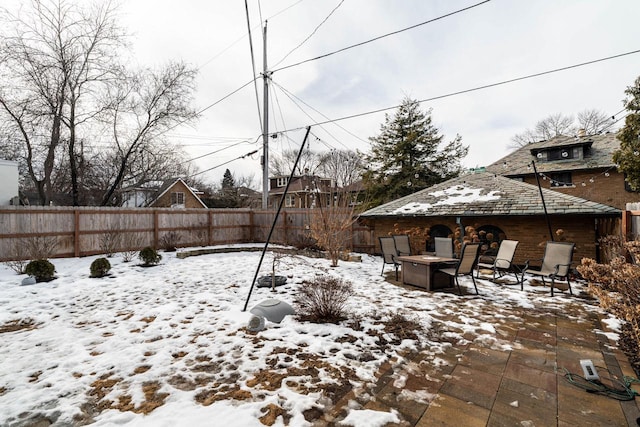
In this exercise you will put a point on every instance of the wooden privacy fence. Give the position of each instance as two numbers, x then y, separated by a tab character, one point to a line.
82	231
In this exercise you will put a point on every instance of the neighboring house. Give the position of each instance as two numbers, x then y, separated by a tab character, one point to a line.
177	194
305	191
8	183
580	166
503	207
140	195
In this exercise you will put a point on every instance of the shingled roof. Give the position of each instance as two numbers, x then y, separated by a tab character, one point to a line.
600	155
487	194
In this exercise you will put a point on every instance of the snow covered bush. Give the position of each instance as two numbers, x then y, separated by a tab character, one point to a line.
149	256
41	269
324	299
100	267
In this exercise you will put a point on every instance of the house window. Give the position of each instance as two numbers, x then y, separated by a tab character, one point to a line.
562	154
561	179
177	199
290	201
282	181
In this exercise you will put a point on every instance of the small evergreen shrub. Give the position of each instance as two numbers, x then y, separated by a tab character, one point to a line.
324	300
100	267
41	269
149	256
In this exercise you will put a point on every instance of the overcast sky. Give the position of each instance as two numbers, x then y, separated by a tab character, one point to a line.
493	42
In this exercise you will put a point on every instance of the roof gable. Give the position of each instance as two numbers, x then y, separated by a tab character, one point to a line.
486	194
168	185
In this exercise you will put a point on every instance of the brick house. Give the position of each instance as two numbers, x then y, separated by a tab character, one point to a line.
305	191
580	166
502	207
177	194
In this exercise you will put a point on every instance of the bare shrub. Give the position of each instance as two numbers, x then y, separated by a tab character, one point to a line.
131	242
110	240
41	247
617	286
169	241
330	225
19	257
324	299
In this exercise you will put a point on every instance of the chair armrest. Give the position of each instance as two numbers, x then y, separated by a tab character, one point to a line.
527	263
557	268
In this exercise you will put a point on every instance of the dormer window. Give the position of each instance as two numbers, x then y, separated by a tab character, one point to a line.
282	181
567	152
564	153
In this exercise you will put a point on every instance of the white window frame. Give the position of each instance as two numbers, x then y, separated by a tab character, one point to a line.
290	201
177	199
282	181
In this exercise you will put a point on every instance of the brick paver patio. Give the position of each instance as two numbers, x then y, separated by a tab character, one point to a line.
525	386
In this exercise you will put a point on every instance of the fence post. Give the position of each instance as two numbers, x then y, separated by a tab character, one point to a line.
209	227
155	229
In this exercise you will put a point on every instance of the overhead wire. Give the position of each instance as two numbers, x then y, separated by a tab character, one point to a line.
310	35
605	128
291	95
225	163
477	88
245	34
218	151
253	61
314	121
382	36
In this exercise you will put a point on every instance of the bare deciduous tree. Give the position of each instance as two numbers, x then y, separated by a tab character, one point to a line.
591	121
344	166
52	57
330	224
143	107
281	165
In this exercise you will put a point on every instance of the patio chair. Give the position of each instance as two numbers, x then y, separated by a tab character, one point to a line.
444	247
556	264
468	259
503	262
389	253
403	245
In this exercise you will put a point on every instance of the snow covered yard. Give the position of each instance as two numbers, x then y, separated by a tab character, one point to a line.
168	345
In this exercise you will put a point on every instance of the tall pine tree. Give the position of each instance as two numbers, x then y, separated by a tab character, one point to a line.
628	156
228	183
409	155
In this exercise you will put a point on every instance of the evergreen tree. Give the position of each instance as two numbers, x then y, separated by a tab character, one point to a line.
228	183
408	155
628	156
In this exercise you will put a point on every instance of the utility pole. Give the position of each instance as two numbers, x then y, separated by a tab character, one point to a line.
265	125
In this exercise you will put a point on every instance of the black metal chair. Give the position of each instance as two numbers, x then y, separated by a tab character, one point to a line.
444	247
503	262
403	244
389	253
467	263
556	264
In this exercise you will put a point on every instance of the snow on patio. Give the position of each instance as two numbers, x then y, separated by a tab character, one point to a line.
168	345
